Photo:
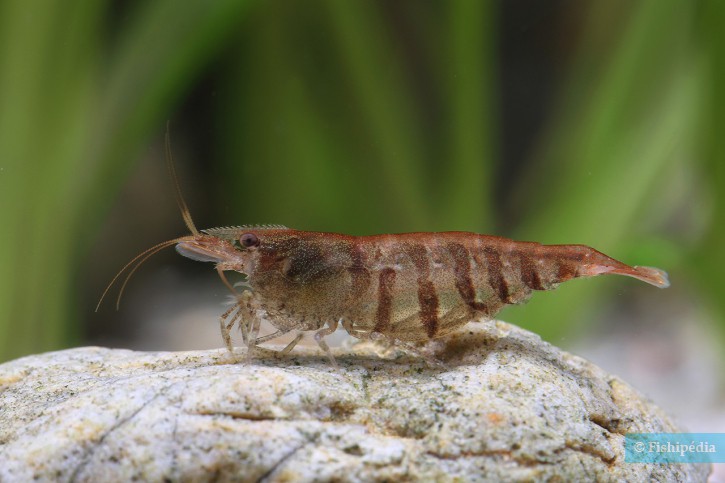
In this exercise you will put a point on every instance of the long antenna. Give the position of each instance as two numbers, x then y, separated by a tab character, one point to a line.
142	257
185	213
138	260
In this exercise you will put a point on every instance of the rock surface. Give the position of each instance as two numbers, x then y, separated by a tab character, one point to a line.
506	406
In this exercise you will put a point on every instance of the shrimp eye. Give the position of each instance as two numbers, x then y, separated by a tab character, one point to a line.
249	240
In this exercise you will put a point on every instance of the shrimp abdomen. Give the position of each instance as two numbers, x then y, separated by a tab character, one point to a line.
425	285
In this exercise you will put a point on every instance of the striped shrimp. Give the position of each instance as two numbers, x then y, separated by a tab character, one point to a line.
404	288
408	287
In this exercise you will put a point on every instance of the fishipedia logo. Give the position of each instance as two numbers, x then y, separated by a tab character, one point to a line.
674	448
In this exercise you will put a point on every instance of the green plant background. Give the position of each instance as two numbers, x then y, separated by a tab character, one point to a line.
361	117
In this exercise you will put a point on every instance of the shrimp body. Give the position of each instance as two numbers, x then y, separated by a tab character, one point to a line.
408	287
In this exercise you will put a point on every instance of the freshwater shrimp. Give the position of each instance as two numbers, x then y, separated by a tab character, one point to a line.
404	288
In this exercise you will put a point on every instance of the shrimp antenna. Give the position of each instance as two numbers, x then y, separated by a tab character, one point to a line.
139	259
136	263
185	213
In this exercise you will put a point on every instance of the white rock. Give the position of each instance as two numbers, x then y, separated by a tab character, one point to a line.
507	406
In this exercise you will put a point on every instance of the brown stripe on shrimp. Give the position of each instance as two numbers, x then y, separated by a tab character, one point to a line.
462	272
566	271
496	278
529	273
386	281
427	296
360	278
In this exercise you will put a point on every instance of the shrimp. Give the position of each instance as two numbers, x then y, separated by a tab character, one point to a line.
406	288
409	287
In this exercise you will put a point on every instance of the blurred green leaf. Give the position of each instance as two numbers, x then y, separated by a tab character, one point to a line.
46	59
67	131
708	256
467	171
